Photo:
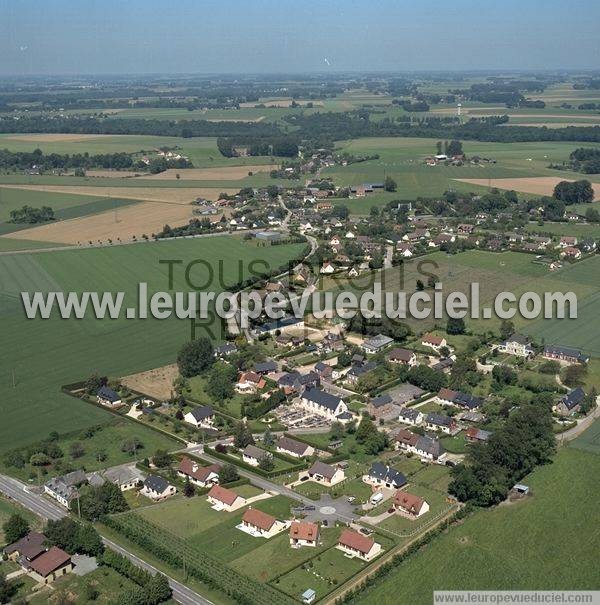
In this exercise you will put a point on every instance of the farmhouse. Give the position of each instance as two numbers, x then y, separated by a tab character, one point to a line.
225	499
458	399
294	448
157	488
565	354
376	343
201	417
571	252
518	345
203	476
567	241
433	341
259	524
106	396
410	416
325	473
50	565
322	403
354	544
402	356
252	455
303	533
125	477
381	475
410	505
440	422
570	403
64	489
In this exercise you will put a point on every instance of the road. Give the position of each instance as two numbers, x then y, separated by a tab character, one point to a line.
18	491
582	425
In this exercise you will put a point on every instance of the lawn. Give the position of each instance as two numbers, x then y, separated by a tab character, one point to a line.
513	547
323	574
38	356
589	440
103	441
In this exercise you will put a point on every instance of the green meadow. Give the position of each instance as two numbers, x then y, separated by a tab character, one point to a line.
38	356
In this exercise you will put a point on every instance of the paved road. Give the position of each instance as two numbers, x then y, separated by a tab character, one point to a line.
582	425
37	504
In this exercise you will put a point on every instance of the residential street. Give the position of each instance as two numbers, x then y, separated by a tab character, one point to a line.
37	504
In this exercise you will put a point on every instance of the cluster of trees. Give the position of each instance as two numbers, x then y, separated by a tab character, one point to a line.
30	215
450	148
74	537
284	146
23	160
576	192
369	437
264	406
195	357
96	501
586	159
14	528
150	589
490	469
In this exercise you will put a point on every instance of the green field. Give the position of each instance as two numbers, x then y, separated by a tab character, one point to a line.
522	546
589	440
38	356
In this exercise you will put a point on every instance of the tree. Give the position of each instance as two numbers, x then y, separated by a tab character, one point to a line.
14	528
242	436
268	439
89	541
504	375
7	590
266	463
97	501
158	589
577	192
455	325
507	329
454	148
131	446
420	285
162	459
228	474
76	450
195	357
390	184
365	429
575	375
220	382
188	489
94	382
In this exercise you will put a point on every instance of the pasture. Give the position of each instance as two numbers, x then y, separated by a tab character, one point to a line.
589	440
510	547
38	356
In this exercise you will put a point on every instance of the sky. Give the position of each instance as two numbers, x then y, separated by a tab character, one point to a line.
269	36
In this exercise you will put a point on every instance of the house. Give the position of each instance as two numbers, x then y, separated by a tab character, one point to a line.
225	499
402	356
125	477
106	396
324	370
571	252
27	548
382	406
588	246
203	476
325	473
440	422
157	488
518	345
249	382
410	505
322	403
564	354
567	241
294	448
458	399
327	269
225	350
259	524
381	475
357	371
376	343
433	341
570	403
266	367
410	416
355	544
50	565
201	417
465	229
405	250
252	455
473	434
443	365
64	489
427	448
308	596
303	533
294	382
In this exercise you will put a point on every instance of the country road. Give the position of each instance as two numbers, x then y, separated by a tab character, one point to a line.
19	492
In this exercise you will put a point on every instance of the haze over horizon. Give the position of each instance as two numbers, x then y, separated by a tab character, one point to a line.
265	36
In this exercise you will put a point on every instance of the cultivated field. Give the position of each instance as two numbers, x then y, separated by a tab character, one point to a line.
157	382
54	137
225	173
541	185
38	356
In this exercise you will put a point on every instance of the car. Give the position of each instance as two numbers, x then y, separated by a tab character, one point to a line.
351	499
310	507
305	478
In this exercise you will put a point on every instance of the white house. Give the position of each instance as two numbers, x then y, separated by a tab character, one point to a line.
323	473
324	404
125	477
157	488
303	533
518	345
260	525
294	448
433	341
252	455
381	475
201	417
410	416
410	505
202	476
225	499
106	396
355	544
